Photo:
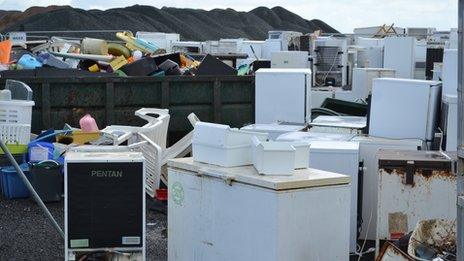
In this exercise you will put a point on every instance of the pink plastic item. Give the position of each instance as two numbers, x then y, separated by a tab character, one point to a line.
88	124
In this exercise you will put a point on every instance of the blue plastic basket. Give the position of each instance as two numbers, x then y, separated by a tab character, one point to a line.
12	184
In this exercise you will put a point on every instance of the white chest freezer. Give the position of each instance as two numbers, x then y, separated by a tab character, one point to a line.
363	77
234	214
283	95
290	59
368	149
450	71
404	109
339	124
273	130
399	54
413	186
450	118
340	157
314	136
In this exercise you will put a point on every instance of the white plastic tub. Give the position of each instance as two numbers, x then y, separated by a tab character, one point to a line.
273	158
223	146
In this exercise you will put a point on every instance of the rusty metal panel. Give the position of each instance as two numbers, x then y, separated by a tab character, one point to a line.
430	195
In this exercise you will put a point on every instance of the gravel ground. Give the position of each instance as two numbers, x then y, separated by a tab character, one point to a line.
26	234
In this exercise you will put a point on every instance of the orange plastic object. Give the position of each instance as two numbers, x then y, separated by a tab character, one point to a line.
5	50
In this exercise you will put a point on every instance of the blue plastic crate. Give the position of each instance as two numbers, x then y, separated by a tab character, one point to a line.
12	185
4	162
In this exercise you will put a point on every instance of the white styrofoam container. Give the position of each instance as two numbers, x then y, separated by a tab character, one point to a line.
221	145
273	158
16	112
283	95
340	157
256	217
368	149
399	54
404	108
274	130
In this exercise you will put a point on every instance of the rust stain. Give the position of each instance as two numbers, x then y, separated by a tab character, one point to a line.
426	173
397	223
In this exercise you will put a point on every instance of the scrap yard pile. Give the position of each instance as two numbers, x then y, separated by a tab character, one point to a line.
129	56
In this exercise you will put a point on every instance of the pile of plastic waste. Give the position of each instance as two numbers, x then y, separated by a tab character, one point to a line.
129	56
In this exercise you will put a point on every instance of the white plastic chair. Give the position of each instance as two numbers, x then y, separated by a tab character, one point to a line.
156	128
151	139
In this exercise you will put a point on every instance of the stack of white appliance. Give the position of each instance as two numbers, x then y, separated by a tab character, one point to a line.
218	213
339	124
290	59
283	95
340	157
399	54
368	149
404	108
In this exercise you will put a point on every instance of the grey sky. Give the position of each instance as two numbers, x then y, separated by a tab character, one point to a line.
344	15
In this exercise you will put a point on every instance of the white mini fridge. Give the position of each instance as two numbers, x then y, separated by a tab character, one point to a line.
340	157
450	121
399	54
363	80
283	95
290	59
368	149
234	214
404	109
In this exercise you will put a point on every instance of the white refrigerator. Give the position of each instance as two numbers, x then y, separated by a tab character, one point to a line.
340	157
399	54
404	108
368	149
234	214
363	79
283	95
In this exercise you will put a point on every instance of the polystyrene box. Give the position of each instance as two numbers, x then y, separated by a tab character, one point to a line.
273	158
223	146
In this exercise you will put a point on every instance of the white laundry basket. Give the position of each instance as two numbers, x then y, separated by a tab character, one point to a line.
16	112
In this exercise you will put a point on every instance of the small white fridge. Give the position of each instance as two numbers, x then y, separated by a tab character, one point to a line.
283	95
368	149
399	54
404	108
363	79
234	214
450	121
340	157
290	59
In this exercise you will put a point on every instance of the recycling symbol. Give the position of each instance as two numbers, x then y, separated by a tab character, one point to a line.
177	193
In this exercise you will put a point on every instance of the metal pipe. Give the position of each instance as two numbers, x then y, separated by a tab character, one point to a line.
460	149
31	189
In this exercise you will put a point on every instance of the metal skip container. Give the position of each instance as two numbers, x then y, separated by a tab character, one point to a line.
413	186
218	213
